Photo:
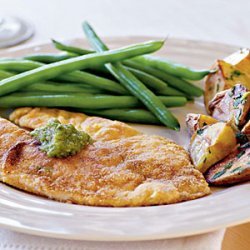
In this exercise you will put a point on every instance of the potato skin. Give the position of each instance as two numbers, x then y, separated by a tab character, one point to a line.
233	169
211	144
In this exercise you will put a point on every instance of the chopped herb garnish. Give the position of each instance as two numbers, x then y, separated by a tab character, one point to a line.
240	154
237	101
238	169
200	131
241	138
228	165
218	174
237	73
234	74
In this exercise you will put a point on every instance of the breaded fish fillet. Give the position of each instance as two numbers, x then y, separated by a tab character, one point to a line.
130	169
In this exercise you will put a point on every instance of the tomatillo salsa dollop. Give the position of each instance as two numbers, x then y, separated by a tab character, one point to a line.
59	140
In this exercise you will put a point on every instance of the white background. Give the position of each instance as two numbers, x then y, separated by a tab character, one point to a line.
226	21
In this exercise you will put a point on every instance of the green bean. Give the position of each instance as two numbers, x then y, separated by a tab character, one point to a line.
79	100
125	115
149	80
173	101
85	101
19	65
61	88
55	86
49	58
76	76
5	74
41	89
93	80
71	49
169	91
137	88
175	69
175	82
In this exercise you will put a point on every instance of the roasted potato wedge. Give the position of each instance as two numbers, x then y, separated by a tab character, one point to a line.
232	106
226	76
211	144
233	169
198	121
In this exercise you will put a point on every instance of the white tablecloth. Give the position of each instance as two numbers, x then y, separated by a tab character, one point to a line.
17	241
225	21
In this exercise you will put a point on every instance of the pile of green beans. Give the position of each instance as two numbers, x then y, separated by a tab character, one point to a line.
135	86
123	84
184	87
178	70
56	69
175	75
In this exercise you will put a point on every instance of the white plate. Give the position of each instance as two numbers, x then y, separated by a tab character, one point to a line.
224	207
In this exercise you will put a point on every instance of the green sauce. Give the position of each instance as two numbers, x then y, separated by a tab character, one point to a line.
59	140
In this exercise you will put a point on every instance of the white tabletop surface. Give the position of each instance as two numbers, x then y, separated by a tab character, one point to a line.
225	21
